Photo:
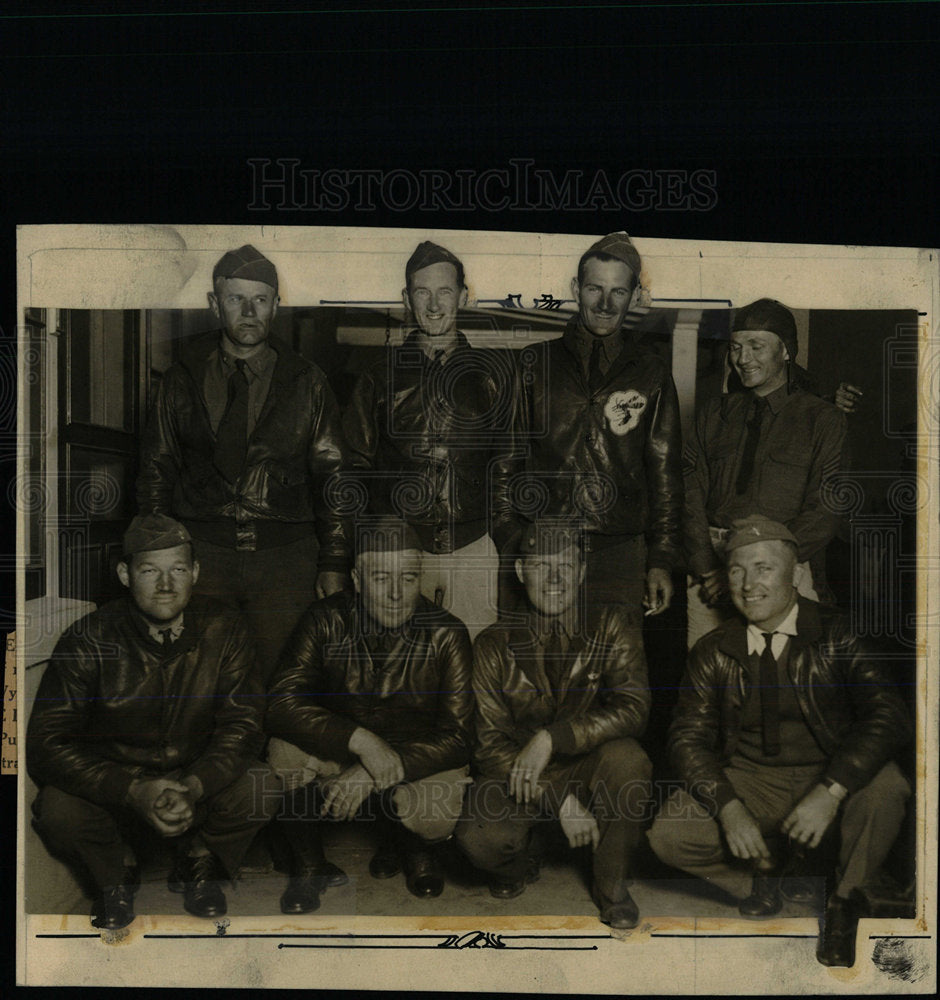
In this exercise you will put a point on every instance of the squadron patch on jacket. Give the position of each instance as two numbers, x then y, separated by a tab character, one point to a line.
623	410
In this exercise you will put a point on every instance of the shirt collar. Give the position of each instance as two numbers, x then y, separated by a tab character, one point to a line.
583	341
176	629
541	625
426	346
777	398
258	364
755	635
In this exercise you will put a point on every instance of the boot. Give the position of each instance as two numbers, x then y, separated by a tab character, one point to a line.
764	900
836	946
310	872
385	863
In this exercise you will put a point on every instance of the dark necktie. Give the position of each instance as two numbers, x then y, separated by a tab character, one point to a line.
552	657
769	698
595	375
750	445
166	634
231	442
380	645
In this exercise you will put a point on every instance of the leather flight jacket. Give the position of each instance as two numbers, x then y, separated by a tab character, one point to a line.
846	694
419	700
604	692
287	489
612	458
435	443
114	704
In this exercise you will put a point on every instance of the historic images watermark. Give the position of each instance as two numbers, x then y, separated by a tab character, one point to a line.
519	186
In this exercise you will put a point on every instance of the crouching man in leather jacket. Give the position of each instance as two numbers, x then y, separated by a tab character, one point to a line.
148	718
369	714
561	702
786	728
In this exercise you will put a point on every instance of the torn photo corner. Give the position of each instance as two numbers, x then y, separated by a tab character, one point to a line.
105	312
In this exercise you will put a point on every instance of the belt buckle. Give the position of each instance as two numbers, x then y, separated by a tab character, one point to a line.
246	537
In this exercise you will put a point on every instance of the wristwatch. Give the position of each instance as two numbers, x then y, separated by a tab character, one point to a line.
837	791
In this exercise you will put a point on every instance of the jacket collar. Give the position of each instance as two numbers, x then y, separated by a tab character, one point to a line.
195	351
412	343
194	615
358	619
522	639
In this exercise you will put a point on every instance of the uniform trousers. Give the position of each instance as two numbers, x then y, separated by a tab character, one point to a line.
464	582
688	836
101	837
613	781
271	587
428	807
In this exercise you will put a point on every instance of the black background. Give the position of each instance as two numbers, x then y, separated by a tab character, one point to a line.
819	120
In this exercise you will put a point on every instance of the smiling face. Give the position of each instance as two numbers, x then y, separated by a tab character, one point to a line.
434	295
552	581
160	582
763	577
604	295
389	584
246	310
760	359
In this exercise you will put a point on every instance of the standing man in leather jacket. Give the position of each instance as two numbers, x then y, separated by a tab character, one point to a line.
369	714
560	707
433	428
241	444
148	720
767	450
605	441
786	728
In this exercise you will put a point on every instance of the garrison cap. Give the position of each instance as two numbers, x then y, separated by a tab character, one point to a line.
248	263
617	245
387	534
772	316
756	528
549	537
428	253
149	532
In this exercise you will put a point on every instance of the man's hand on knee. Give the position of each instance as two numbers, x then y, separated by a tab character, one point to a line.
343	794
163	803
811	816
378	758
528	766
578	823
743	832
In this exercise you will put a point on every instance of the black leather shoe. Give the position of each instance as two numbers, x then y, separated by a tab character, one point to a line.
764	900
330	875
202	892
114	907
836	945
799	889
507	890
385	862
501	889
302	894
621	915
423	874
